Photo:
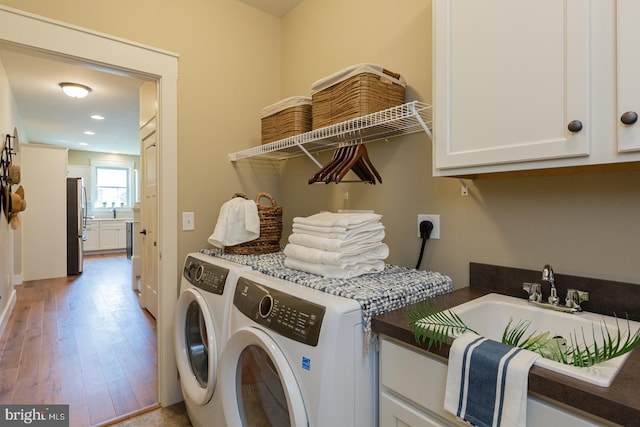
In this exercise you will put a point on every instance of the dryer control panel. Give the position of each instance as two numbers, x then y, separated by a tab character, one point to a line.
286	314
208	277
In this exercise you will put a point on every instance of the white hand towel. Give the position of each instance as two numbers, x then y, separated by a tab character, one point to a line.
487	382
379	251
331	219
336	232
358	240
335	271
238	222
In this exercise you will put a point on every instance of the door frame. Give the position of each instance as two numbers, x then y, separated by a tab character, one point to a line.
37	35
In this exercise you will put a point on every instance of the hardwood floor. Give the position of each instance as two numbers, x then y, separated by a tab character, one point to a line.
81	340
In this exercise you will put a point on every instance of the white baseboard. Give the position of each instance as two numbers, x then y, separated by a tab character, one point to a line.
4	316
17	280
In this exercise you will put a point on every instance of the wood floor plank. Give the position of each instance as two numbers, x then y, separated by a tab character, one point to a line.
81	340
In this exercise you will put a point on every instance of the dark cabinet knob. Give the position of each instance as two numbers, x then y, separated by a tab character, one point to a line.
575	126
629	118
144	232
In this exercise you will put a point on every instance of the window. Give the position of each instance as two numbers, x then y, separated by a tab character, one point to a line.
113	184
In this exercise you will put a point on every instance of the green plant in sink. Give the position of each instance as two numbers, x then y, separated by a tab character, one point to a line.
436	326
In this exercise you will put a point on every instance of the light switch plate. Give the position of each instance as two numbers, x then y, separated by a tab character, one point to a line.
188	221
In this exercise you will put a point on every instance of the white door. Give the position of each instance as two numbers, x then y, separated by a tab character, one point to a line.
628	71
510	81
195	347
257	383
149	277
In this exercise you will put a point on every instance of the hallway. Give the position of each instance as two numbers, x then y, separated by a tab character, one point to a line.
83	341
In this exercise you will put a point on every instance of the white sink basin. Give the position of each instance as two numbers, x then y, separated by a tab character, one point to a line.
490	314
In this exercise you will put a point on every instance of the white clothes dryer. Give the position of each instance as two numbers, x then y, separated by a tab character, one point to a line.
295	357
201	331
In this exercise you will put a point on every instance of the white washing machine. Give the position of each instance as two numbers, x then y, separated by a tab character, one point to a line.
201	331
295	357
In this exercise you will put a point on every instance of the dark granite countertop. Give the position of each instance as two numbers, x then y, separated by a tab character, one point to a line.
618	403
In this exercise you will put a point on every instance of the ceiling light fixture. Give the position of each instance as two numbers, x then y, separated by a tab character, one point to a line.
88	132
75	90
82	143
97	117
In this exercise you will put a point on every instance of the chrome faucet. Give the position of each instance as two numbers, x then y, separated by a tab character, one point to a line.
572	302
547	276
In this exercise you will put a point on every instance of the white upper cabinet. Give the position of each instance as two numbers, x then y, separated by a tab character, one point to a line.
628	18
531	84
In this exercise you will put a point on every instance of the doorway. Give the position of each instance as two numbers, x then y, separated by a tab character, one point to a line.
29	33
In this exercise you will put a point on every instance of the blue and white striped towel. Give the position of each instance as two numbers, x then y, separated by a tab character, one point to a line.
487	382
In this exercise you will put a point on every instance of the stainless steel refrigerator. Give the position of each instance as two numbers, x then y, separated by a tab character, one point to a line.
76	224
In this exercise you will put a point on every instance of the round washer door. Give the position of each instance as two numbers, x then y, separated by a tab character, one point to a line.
195	347
257	383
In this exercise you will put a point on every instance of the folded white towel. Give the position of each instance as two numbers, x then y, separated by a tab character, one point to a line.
238	222
341	220
336	232
335	271
487	382
378	251
358	240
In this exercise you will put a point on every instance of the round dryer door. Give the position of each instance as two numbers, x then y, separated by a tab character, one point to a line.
195	347
257	384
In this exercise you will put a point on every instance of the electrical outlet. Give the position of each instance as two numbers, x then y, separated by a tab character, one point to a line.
188	221
435	220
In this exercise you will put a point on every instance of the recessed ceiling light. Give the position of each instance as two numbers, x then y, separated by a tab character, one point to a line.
75	90
88	132
97	117
82	143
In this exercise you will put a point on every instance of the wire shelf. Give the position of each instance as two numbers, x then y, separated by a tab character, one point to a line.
403	119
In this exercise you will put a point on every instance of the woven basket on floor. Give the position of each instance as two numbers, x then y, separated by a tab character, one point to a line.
357	96
270	229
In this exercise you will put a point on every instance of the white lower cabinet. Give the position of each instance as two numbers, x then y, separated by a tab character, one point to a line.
113	235
92	235
412	386
105	235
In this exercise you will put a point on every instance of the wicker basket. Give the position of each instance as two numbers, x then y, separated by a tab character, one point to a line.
270	229
356	95
289	117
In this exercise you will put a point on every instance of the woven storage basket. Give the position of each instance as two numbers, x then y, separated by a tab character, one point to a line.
289	117
356	95
270	229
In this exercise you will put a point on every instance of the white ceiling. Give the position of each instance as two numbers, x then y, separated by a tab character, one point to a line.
277	8
50	117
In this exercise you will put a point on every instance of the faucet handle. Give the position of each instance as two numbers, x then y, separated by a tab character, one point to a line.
534	290
575	297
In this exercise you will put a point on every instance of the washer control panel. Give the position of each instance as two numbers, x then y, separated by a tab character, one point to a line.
286	314
208	277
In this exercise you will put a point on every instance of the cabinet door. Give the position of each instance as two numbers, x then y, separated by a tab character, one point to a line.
628	16
108	238
509	77
92	240
396	413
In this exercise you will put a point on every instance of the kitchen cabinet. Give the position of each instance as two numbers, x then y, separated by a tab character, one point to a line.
534	84
92	242
105	235
412	387
113	235
628	66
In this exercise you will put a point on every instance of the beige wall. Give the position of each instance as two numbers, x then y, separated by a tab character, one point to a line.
83	158
229	68
235	59
8	119
583	225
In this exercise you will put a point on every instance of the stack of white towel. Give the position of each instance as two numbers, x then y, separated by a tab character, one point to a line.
337	245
